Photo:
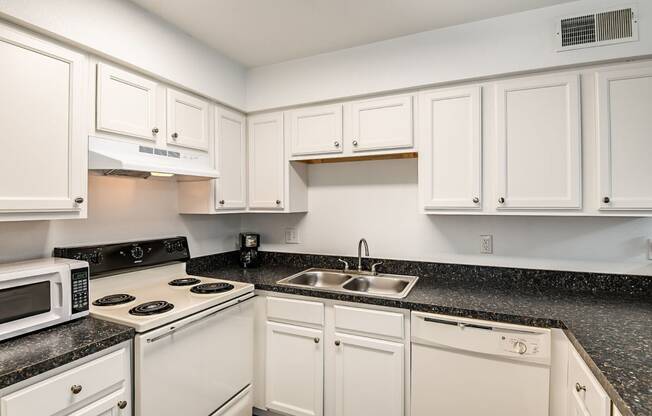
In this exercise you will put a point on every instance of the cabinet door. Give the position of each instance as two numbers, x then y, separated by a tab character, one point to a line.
43	163
294	370
624	126
382	123
586	397
450	151
187	120
230	159
114	404
266	161
126	103
539	142
369	377
316	130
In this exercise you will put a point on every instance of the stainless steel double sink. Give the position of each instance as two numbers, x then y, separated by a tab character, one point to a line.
353	282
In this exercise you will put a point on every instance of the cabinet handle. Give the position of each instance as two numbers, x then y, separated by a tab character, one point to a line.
79	200
337	343
155	130
221	202
501	200
122	404
476	200
606	200
316	340
579	387
174	136
336	143
278	202
355	142
76	389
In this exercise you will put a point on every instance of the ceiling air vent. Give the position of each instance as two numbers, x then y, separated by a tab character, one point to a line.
596	29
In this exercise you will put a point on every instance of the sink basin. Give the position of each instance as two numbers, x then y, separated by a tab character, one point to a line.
353	282
319	278
377	284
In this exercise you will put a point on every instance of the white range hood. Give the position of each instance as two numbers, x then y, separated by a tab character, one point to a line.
116	157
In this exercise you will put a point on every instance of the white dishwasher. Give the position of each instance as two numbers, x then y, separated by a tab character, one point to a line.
468	367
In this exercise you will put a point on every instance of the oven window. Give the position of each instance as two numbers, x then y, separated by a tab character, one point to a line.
23	301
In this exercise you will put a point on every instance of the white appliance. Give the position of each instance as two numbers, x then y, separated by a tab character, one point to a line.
469	367
193	351
39	293
123	158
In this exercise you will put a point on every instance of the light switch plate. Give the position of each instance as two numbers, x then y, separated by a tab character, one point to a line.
291	235
487	244
649	248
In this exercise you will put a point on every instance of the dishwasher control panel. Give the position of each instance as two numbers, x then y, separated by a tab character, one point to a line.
519	345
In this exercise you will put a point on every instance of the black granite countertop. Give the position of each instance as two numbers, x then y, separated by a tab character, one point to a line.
608	318
29	355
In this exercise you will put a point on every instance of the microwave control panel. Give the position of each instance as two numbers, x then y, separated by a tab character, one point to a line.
79	289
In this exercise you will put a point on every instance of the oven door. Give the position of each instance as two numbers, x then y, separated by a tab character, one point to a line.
31	301
195	365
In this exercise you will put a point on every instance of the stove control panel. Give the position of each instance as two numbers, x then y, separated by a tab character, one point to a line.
108	258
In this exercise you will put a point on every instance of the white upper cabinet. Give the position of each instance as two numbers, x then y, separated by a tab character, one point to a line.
187	120
625	142
369	376
382	123
126	103
450	149
230	159
316	130
43	163
266	161
539	143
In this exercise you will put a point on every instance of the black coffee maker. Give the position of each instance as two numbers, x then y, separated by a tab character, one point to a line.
249	256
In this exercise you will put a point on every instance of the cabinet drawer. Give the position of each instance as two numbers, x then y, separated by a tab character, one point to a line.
389	324
584	390
56	393
295	311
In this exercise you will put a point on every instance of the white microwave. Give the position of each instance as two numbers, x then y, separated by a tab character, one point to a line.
40	293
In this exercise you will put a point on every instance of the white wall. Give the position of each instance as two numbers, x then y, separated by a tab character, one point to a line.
378	200
122	31
121	209
515	43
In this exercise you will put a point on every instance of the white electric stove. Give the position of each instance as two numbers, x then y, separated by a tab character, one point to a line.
193	351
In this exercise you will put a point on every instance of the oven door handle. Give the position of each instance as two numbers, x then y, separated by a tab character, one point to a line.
222	307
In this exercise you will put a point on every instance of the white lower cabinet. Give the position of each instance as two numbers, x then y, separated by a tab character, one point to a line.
294	369
99	386
369	376
586	397
334	359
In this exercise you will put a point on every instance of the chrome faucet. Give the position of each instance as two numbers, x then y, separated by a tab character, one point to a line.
366	252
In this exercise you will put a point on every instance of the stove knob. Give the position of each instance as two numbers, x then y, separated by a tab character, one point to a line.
137	253
520	347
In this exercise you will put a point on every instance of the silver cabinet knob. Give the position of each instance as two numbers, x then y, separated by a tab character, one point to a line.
355	142
175	135
221	202
316	339
155	130
278	202
337	343
122	404
579	387
606	200
476	200
79	200
76	389
501	200
336	143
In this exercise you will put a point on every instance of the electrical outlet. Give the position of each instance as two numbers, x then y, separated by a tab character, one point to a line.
487	244
649	248
291	236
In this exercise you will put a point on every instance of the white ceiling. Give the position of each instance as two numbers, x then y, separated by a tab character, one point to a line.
261	32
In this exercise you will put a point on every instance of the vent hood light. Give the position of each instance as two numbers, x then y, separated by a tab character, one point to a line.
162	174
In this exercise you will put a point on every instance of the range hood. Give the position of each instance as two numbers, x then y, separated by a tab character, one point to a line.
117	157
